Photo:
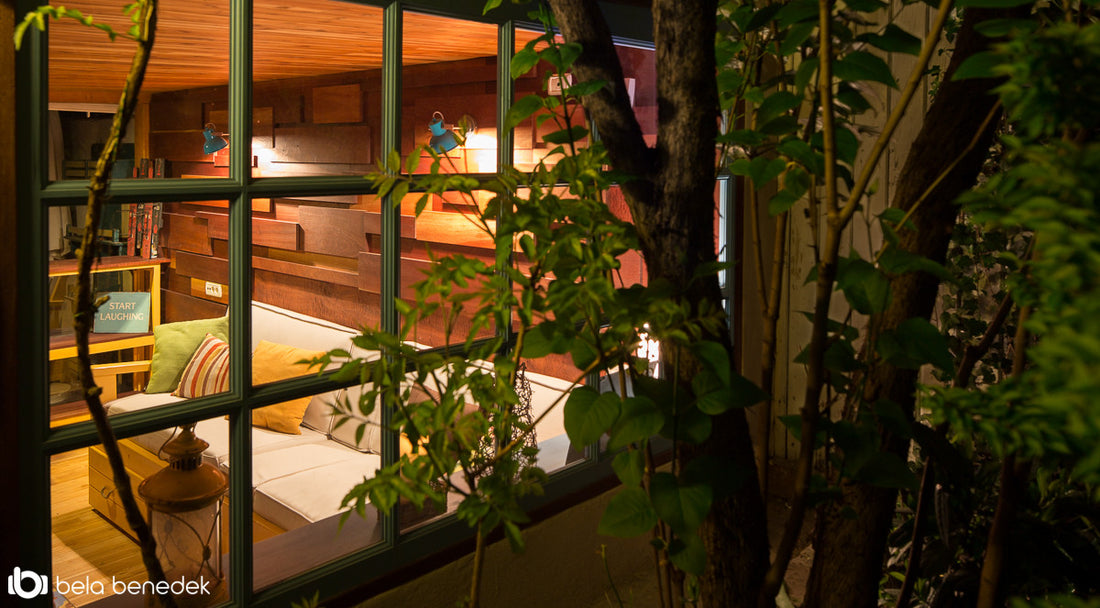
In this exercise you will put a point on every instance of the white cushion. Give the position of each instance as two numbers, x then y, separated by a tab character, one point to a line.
289	460
292	501
345	433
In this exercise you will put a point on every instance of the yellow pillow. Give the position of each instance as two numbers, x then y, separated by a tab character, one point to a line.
273	362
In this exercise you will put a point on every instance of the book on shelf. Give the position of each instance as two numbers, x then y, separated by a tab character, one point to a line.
145	219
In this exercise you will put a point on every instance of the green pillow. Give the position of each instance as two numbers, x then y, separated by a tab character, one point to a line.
173	345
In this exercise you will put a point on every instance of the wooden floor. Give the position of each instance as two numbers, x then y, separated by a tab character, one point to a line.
86	547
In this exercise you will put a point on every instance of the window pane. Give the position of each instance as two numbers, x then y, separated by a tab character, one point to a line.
317	93
316	263
300	480
163	271
449	225
449	92
95	555
88	72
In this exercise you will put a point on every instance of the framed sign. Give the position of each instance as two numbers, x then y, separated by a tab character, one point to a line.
125	312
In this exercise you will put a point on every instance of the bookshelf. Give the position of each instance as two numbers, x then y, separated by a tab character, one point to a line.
146	278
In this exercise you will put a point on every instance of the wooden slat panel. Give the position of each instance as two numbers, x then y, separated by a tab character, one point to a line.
269	233
350	144
370	273
185	233
338	103
184	307
444	227
337	303
204	267
372	224
179	146
319	273
333	231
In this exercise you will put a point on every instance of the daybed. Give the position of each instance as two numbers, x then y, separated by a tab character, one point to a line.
301	471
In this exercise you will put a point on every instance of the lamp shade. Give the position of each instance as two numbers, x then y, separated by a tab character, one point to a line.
213	141
443	139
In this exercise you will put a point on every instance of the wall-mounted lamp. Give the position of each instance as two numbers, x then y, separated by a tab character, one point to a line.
214	142
443	139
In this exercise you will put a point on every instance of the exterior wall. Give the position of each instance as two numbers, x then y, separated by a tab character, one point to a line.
561	567
864	236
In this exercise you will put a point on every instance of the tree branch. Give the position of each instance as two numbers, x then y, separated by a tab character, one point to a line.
86	306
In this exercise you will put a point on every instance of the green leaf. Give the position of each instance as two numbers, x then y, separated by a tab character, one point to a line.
865	288
544	339
899	261
712	396
865	6
762	170
745	392
847	144
782	202
796	35
629	467
864	66
715	357
691	426
682	506
521	110
523	61
995	28
914	343
629	513
640	419
515	537
893	39
887	470
586	88
780	126
583	354
991	3
797	11
805	74
588	414
565	136
688	554
777	104
761	17
978	65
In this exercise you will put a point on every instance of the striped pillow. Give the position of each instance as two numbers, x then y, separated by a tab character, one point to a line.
208	371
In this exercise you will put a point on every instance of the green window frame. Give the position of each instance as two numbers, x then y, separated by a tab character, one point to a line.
35	193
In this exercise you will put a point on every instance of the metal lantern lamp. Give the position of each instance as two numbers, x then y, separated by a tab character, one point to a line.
443	139
214	142
184	502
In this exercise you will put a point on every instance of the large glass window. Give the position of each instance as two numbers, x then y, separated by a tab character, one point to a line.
245	238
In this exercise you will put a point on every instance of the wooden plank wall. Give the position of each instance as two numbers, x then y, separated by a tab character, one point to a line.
865	236
321	255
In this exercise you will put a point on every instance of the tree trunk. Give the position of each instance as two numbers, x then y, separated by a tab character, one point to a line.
672	206
850	538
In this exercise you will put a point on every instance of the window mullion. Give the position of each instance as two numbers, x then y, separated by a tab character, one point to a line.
240	295
391	226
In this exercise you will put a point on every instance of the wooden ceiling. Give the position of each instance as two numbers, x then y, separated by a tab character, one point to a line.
291	38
